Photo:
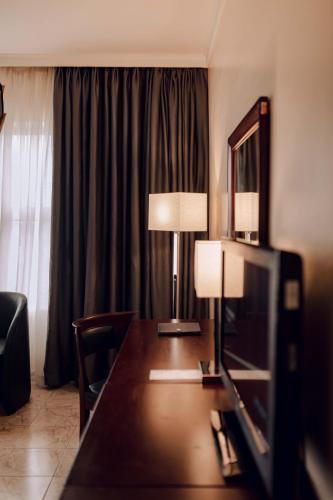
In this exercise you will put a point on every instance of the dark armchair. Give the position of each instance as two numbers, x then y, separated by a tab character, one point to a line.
15	385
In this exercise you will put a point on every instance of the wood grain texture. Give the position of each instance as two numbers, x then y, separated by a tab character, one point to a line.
149	439
93	493
144	350
2	121
151	434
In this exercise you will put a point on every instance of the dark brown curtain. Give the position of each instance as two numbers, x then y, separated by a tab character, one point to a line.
120	134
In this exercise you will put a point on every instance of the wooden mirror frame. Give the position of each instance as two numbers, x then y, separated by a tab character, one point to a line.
3	116
258	118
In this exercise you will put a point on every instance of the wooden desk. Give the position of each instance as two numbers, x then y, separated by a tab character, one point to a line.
150	440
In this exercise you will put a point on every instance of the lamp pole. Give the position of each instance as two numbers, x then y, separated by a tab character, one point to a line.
177	212
177	236
176	276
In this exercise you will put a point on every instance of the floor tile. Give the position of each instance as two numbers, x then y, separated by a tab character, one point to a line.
57	415
29	462
40	393
65	463
30	437
55	489
74	441
66	391
38	444
5	425
24	416
23	488
62	399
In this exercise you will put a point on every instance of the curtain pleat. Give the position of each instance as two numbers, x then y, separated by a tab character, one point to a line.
120	134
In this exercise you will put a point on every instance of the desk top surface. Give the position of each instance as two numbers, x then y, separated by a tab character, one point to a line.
146	435
143	350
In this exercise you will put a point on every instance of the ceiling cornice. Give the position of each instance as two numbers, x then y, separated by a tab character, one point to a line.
214	31
105	59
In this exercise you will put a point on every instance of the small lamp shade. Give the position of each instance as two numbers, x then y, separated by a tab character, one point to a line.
234	276
178	212
246	212
208	269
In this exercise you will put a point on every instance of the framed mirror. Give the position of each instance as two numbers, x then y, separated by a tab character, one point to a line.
248	182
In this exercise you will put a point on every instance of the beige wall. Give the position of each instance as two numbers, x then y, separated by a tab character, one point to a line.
284	49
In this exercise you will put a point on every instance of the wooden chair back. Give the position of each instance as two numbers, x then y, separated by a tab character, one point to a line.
95	333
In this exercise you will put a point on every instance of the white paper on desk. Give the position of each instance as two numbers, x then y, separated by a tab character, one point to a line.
175	375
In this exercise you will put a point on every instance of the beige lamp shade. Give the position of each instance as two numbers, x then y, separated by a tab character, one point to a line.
178	212
234	276
246	212
208	269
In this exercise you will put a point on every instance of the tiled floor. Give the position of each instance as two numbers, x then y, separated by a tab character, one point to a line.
38	444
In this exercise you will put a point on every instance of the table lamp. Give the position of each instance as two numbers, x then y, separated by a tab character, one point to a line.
208	284
208	278
247	213
177	212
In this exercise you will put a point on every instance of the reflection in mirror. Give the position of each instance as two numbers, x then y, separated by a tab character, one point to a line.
248	176
247	164
246	158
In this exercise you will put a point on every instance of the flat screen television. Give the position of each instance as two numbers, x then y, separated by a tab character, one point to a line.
259	357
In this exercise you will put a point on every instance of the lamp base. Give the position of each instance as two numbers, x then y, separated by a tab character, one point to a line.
178	328
210	375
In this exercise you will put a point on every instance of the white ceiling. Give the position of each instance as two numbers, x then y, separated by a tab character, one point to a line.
107	32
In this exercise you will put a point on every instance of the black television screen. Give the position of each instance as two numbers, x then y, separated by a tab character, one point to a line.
261	321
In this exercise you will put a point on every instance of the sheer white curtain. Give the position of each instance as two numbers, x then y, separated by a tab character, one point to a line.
25	196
